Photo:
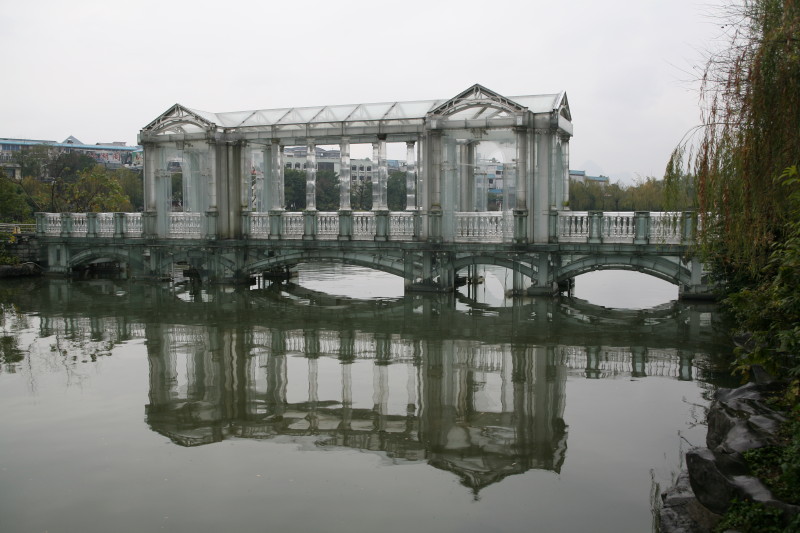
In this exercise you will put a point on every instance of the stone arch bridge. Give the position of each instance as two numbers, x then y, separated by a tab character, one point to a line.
231	222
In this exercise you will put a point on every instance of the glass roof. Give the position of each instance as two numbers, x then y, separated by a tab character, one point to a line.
472	103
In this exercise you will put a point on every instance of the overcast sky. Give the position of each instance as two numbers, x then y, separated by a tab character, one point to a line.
103	70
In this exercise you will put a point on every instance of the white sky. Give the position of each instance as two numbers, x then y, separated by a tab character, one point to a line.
102	70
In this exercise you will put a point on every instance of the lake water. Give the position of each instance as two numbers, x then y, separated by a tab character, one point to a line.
336	404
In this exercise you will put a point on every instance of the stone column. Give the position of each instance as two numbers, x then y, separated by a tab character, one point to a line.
411	180
344	174
466	175
523	179
379	170
311	176
383	173
565	169
276	176
150	176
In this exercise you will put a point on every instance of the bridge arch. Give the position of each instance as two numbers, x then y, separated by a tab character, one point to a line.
391	263
494	260
92	255
659	267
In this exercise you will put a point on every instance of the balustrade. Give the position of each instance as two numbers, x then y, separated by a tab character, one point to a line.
133	224
401	226
666	228
327	225
487	226
105	224
293	225
185	225
619	227
80	225
573	226
259	225
363	226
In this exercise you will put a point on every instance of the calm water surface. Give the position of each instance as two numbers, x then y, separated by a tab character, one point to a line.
336	404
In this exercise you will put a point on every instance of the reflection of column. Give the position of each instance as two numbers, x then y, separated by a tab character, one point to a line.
380	394
411	180
638	361
347	395
276	381
311	176
344	174
411	390
592	362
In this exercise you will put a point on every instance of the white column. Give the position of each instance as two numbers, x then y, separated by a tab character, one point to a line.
411	181
150	158
311	176
344	174
383	174
523	175
276	176
266	192
565	164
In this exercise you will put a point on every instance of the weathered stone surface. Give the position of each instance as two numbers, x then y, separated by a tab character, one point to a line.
715	488
681	512
738	420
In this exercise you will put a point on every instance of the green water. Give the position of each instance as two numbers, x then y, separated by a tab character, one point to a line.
335	404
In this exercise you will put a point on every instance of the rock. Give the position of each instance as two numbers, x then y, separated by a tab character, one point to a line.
715	488
738	420
681	512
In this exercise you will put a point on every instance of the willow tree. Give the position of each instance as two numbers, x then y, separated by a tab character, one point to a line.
746	178
751	135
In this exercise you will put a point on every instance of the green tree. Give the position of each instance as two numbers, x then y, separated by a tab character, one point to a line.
361	196
327	190
294	189
396	191
14	206
750	135
97	189
132	185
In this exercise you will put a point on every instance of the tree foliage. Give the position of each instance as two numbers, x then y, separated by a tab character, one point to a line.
750	135
648	194
746	184
14	206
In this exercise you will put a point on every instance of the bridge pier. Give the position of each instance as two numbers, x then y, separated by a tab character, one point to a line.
543	283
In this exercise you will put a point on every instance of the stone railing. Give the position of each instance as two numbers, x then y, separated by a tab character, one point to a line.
134	226
638	227
89	225
486	226
327	225
364	226
292	225
185	225
401	226
592	227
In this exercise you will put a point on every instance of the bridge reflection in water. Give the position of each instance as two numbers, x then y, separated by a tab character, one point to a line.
478	393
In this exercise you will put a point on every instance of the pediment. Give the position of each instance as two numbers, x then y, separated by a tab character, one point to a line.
179	119
478	102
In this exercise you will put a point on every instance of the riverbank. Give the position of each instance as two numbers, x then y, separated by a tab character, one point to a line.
722	478
20	270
